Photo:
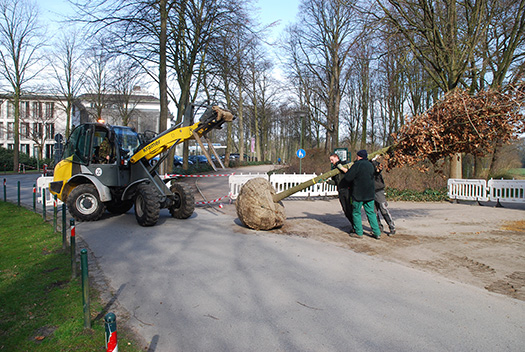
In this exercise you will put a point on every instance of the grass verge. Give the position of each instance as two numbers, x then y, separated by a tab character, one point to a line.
41	307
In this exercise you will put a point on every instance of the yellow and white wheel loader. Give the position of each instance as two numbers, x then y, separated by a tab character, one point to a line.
108	167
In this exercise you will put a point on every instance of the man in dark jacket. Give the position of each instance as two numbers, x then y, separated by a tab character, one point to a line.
361	175
381	205
343	190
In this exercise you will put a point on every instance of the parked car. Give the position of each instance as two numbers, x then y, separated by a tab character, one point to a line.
177	161
198	159
236	156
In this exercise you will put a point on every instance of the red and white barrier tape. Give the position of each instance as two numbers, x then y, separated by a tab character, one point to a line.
212	201
177	175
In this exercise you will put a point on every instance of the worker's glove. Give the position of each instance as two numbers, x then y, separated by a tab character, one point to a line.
339	165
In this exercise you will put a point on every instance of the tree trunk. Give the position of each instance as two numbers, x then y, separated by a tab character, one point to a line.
16	129
163	79
456	166
241	125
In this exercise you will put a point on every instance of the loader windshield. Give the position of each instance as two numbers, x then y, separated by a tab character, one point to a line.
127	139
78	147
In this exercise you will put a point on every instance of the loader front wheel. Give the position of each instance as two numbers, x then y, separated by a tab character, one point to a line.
84	203
147	205
184	202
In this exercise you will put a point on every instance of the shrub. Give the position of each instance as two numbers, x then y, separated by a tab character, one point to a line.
428	195
7	159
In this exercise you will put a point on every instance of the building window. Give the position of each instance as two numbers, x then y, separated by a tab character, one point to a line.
37	110
10	110
10	146
50	130
24	148
37	130
25	130
49	151
10	129
50	110
1	130
25	112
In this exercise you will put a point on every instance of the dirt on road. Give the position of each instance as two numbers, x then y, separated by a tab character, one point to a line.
478	245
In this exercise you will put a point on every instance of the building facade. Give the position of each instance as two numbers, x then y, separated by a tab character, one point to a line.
41	118
138	109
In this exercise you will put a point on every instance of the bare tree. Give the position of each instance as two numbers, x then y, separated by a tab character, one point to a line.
69	72
442	34
505	41
20	42
97	82
324	38
126	87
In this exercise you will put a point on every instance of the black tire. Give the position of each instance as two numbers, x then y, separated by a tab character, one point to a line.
84	203
184	201
118	207
147	205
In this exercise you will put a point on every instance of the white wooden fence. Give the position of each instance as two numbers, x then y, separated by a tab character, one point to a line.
508	191
281	182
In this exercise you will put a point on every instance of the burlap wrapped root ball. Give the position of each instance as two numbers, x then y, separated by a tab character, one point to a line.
256	208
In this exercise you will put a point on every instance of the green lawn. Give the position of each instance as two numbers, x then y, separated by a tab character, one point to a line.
518	174
40	306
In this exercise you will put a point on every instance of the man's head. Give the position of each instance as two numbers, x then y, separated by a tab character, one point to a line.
334	158
362	154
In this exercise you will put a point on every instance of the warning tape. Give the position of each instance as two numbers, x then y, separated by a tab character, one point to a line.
212	201
178	175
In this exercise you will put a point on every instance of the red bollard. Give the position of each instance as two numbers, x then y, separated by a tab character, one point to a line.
111	332
73	250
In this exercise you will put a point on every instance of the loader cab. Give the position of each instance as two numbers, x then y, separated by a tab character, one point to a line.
101	144
102	151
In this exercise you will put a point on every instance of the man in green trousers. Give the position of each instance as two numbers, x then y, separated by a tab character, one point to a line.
361	174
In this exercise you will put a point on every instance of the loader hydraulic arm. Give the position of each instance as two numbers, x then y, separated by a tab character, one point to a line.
213	118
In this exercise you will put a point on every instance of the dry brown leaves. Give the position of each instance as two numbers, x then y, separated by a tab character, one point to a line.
460	123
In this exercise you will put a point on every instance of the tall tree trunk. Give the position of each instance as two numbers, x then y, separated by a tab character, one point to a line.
455	166
241	124
163	79
16	129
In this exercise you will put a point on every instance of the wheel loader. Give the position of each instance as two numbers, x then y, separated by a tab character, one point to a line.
107	167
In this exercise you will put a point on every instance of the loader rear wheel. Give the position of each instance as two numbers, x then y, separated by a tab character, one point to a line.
119	207
184	202
84	203
147	205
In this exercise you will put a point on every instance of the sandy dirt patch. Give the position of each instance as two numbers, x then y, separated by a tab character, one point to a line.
479	245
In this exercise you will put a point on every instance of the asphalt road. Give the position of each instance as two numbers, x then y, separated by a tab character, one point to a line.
207	284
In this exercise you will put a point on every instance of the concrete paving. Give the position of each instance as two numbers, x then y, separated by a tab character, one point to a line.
207	284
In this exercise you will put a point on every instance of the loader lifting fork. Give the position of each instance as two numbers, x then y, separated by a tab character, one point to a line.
107	167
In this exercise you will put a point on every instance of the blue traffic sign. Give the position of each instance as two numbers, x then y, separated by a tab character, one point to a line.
300	153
